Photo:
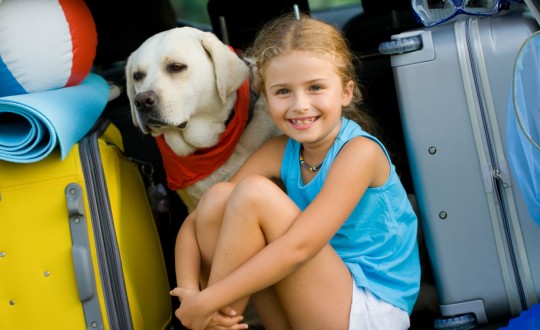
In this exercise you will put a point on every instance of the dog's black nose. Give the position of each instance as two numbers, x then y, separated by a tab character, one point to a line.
145	101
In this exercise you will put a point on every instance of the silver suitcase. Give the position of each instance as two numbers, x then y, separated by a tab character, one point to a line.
453	96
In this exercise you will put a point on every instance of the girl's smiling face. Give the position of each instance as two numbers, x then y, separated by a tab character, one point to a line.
306	95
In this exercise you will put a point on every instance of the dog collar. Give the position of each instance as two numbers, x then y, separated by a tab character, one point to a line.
183	171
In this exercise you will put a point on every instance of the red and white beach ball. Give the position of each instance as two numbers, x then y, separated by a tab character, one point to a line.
44	45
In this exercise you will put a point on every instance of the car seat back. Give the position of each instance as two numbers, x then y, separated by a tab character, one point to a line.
236	22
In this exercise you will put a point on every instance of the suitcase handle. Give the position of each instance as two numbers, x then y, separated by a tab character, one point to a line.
83	272
82	261
79	238
401	45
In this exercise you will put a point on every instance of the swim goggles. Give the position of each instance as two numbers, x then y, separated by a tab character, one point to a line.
432	12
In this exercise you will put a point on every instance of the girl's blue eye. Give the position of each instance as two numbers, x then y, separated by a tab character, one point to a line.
315	88
282	91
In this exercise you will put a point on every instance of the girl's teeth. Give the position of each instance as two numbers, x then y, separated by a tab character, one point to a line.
303	122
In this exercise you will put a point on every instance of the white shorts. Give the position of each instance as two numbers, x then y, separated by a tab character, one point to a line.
370	312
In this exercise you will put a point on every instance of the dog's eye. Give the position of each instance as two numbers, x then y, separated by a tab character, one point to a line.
176	67
138	76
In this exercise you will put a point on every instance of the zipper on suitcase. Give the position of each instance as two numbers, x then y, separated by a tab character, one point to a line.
497	176
109	261
498	182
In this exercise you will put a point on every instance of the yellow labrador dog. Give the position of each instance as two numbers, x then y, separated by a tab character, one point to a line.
191	92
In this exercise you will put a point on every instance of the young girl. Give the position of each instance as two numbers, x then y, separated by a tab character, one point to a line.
337	249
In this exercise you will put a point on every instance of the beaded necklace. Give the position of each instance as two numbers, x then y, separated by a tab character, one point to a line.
307	166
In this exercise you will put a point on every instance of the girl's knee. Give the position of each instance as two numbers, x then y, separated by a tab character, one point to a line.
250	194
256	187
215	196
255	194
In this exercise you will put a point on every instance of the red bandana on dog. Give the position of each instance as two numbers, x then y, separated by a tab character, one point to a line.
183	171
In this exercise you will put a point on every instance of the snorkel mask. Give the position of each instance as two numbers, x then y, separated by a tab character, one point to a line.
432	12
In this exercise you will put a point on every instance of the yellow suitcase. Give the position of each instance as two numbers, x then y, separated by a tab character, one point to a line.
79	247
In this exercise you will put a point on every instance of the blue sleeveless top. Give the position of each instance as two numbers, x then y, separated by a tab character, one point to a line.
378	241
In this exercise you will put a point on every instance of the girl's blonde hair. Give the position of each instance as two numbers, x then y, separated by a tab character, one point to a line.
287	33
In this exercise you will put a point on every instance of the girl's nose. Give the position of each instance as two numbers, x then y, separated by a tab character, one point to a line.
300	102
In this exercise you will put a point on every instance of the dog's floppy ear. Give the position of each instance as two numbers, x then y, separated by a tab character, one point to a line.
230	70
130	90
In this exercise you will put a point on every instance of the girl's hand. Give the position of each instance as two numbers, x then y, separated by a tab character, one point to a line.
191	313
193	316
226	319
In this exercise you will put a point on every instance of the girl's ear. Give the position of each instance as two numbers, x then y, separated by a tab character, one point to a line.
347	94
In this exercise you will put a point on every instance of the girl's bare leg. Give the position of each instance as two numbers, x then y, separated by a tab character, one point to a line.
316	296
209	219
210	212
270	310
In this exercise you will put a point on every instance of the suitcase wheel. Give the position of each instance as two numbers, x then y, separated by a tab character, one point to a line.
457	322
